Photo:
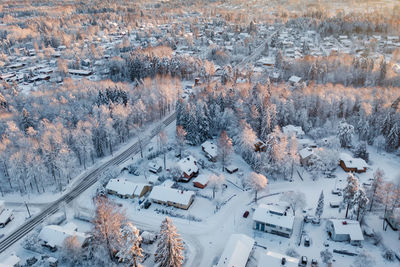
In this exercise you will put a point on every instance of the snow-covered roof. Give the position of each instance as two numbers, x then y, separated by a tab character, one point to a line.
275	259
351	162
231	167
10	261
237	251
202	179
188	165
55	235
167	183
166	194
5	215
263	214
152	178
348	227
290	129
125	187
210	148
306	152
295	79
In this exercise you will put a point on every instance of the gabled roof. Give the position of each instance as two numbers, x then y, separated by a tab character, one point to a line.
210	148
202	179
237	251
306	152
55	235
166	194
125	187
295	79
188	165
351	162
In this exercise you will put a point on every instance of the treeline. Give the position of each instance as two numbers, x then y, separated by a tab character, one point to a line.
47	134
153	61
252	112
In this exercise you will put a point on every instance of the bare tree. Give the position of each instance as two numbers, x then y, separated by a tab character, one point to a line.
130	250
296	200
215	182
224	148
257	182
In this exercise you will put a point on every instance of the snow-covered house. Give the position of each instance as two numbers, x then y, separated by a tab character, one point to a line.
152	179
210	150
231	168
277	259
350	164
126	189
188	167
172	197
237	251
201	181
53	236
291	129
345	230
305	155
154	167
273	219
294	80
11	261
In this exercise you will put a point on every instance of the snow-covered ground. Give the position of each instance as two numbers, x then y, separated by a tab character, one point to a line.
205	239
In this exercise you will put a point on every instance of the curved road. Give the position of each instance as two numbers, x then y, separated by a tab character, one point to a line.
86	182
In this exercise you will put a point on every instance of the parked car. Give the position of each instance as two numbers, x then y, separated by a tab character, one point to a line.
303	261
147	204
334	204
314	263
316	220
246	214
307	241
308	218
330	175
336	191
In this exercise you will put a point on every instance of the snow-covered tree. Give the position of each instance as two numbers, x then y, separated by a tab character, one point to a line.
71	251
375	190
350	191
364	259
216	182
296	200
170	247
360	201
130	250
345	133
320	207
107	224
326	256
361	151
224	148
257	182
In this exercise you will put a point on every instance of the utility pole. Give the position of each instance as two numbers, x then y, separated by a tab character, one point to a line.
29	213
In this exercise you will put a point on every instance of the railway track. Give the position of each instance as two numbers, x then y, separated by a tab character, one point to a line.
86	182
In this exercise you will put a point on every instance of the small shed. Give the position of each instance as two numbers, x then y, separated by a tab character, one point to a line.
201	181
210	150
154	167
305	155
231	168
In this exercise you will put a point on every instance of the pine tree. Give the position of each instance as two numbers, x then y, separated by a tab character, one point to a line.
170	248
350	191
345	133
320	206
393	139
361	151
130	249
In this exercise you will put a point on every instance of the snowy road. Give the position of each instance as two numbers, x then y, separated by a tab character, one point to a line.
86	182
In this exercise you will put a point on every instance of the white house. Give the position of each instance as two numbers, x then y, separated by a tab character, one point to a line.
305	155
210	150
172	197
237	251
188	167
345	230
273	219
54	235
276	259
126	189
291	129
